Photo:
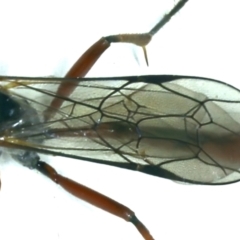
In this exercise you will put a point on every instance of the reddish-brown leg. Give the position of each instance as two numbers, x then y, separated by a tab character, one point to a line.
86	62
88	59
95	198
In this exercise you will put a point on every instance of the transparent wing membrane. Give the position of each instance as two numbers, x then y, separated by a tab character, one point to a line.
182	128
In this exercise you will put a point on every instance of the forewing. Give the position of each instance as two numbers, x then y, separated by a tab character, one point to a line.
182	128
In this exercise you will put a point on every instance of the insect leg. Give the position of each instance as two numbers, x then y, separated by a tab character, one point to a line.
94	198
88	59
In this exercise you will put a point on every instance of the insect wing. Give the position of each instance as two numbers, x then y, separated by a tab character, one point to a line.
155	124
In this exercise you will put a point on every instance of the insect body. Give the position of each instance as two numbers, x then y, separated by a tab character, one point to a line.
160	125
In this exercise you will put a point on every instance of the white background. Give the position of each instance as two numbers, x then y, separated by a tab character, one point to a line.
40	38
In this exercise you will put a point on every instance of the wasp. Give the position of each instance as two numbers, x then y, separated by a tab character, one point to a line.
114	118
